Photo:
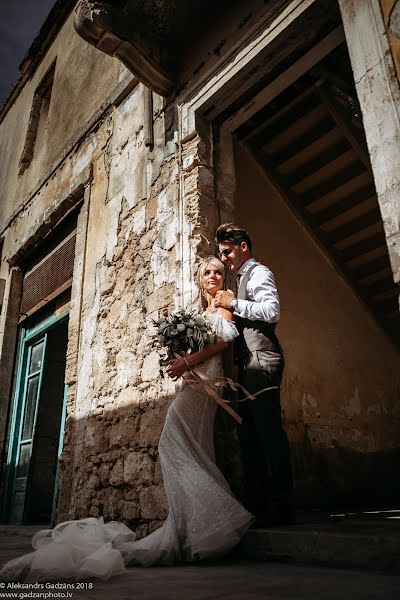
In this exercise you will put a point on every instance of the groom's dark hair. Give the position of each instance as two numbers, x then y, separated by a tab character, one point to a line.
229	232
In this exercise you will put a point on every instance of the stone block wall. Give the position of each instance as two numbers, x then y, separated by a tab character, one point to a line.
117	401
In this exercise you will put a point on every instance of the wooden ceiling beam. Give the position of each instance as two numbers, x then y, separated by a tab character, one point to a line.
366	245
372	267
297	145
326	173
340	120
391	321
387	305
317	163
287	78
340	178
295	130
380	287
282	114
362	222
293	125
392	292
321	144
341	206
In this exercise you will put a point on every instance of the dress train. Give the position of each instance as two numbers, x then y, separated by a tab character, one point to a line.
205	520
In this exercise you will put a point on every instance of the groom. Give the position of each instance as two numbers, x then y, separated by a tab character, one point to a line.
259	356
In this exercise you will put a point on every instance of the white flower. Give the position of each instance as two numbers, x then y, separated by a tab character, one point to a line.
173	332
181	327
199	321
191	323
189	332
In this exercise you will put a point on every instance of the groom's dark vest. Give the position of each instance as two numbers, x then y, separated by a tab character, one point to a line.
253	335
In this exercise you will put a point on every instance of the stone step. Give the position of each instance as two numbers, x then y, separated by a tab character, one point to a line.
358	541
27	531
373	546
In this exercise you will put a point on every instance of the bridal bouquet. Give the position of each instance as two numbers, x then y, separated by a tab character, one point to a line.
182	332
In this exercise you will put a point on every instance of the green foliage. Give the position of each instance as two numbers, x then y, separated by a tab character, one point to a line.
182	332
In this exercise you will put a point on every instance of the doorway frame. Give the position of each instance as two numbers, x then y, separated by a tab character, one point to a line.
378	91
27	338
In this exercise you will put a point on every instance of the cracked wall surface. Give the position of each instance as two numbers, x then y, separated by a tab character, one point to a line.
79	88
117	401
147	216
126	271
341	383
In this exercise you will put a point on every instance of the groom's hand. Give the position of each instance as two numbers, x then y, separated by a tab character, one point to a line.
223	297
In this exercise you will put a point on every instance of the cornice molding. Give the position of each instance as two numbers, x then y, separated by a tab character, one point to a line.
107	27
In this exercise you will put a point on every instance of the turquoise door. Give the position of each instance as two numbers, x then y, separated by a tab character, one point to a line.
38	422
29	402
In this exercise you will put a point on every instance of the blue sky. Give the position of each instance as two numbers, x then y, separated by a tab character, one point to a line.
20	22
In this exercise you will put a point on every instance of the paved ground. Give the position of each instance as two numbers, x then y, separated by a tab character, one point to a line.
230	579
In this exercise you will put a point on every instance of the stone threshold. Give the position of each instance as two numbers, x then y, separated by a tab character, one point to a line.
368	541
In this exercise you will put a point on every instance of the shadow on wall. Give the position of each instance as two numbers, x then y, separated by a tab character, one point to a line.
341	384
118	475
338	477
110	467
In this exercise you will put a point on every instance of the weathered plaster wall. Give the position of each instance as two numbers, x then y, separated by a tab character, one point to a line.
129	254
84	77
378	91
143	224
341	385
117	401
126	270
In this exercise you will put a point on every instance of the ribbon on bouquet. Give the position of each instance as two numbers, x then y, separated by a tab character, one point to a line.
208	385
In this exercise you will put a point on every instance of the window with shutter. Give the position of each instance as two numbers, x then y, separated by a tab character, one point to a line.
49	277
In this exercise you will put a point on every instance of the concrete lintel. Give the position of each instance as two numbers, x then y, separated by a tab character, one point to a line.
246	50
287	78
54	213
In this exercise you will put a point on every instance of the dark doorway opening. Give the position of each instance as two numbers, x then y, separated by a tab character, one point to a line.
43	476
38	421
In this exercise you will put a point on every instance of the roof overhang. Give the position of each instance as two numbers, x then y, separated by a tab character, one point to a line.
119	29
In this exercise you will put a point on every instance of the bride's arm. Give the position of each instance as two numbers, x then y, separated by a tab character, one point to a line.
176	368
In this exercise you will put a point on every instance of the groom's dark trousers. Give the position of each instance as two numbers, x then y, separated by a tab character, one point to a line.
263	441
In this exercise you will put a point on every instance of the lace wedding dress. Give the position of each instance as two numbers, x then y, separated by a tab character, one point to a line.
204	521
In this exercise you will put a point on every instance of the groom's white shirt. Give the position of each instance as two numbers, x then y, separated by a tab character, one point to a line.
262	296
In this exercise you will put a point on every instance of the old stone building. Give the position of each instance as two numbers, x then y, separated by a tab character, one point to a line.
134	130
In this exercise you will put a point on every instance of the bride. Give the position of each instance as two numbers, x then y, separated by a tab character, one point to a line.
204	521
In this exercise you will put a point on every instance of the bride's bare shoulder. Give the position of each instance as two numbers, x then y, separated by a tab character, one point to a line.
226	314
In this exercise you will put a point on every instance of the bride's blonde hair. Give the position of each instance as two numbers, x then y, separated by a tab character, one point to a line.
215	262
